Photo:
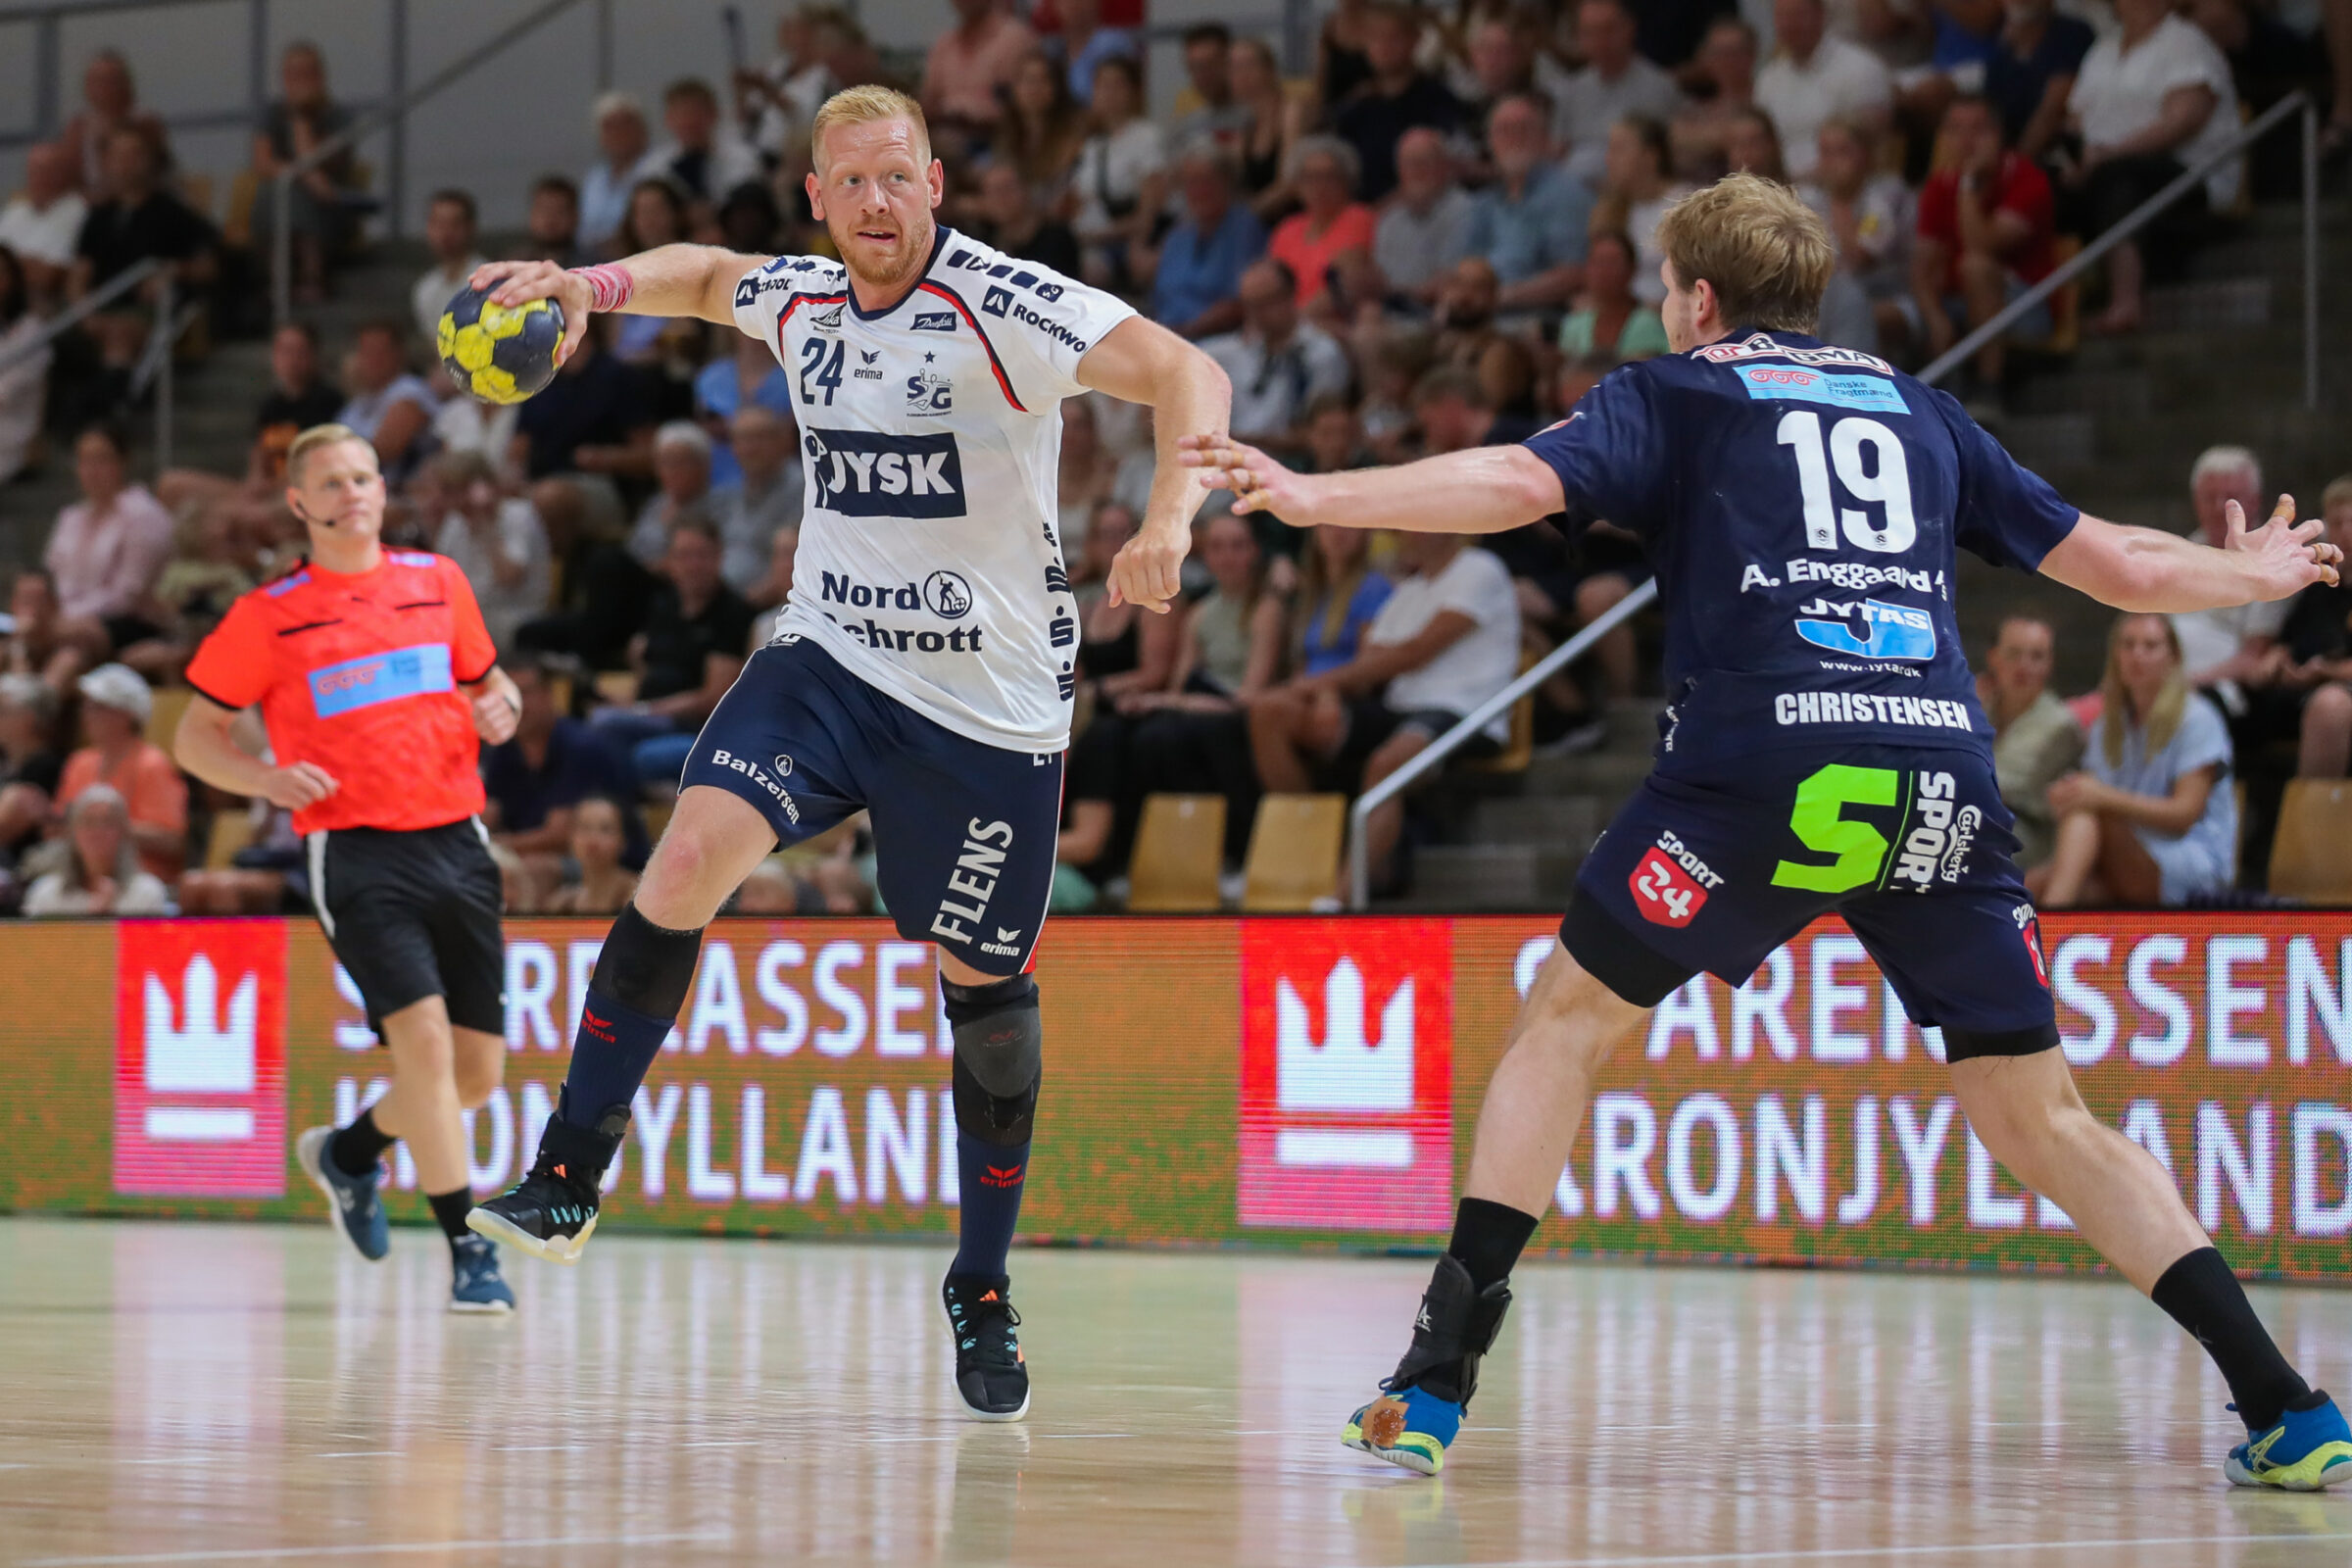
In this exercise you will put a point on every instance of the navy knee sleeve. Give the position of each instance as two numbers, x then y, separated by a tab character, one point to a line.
645	967
1000	1058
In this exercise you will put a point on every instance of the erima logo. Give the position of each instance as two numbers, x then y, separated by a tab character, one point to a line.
1889	631
874	473
1007	944
977	871
867	371
935	322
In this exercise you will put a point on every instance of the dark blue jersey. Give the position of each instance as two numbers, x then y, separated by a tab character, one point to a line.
1801	504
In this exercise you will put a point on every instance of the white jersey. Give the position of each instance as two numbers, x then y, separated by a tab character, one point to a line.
928	561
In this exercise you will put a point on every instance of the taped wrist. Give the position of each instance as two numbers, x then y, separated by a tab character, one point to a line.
647	967
998	1057
609	287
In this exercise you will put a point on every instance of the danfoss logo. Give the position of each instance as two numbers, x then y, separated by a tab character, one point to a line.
200	1105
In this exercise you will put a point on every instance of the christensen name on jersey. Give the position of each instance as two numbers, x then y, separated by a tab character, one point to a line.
1801	504
932	435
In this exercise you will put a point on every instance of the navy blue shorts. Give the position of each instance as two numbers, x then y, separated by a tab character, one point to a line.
1712	868
963	831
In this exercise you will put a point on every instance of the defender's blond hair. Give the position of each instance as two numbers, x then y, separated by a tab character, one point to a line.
856	106
311	440
1765	252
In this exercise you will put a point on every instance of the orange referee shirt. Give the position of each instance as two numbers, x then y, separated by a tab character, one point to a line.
359	675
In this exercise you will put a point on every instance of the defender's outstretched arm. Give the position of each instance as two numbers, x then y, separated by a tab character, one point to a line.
2146	570
1484	490
668	280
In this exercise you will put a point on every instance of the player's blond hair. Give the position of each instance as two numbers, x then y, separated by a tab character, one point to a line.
311	440
857	106
1765	252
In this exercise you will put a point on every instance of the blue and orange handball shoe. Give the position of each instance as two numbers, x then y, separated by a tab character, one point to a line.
1422	1403
2307	1451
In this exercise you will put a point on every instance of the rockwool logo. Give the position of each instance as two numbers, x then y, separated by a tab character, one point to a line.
1346	1075
199	1059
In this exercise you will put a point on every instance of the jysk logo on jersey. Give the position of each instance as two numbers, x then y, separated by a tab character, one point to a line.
377	678
935	322
1790	381
1887	631
874	473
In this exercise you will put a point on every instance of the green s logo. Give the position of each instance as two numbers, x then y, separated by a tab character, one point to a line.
1820	824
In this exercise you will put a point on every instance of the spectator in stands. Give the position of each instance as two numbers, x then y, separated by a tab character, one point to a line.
1231	646
2152	820
1815	76
1465	315
597	840
389	407
1042	129
692	648
1014	222
774	585
1636	187
1531	224
969	66
299	397
747	378
1339	597
774	105
658	216
1425	227
1276	122
105	549
1330	222
591	419
1871	218
116	705
38	643
552	227
2149	101
1987	225
2228	651
534	781
192	593
703	156
1277	362
1502	57
2035	738
2318	639
1727	65
497	541
2031	74
1395	97
1616	81
1121	649
1447	639
109	102
1121	178
766	497
1207	109
1087	42
101	874
1671	30
25	384
303	120
1196	270
1087	470
42	223
1751	145
137	220
1608	320
29	763
449	231
682	481
623	143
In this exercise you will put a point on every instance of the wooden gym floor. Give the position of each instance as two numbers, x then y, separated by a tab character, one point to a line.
192	1394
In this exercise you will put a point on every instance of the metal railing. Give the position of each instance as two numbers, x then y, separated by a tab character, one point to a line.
154	367
1359	869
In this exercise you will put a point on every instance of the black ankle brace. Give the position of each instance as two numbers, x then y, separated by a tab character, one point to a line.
1456	1327
582	1154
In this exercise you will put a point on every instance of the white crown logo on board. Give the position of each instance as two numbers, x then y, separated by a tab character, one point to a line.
1345	1071
208	1051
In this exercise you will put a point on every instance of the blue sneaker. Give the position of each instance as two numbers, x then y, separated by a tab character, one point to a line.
1422	1403
2308	1450
352	1201
477	1286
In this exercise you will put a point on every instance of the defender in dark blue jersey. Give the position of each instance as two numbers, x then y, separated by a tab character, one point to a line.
1822	750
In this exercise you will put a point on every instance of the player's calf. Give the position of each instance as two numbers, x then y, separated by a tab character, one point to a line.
998	1066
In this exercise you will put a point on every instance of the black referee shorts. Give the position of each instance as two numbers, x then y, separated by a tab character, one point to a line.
414	915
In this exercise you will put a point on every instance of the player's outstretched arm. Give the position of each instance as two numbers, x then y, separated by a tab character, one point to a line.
1484	490
2146	570
204	746
666	280
1142	361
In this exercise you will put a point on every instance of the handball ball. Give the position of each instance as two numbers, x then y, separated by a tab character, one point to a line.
500	354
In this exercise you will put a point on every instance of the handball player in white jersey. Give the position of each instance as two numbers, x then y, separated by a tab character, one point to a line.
922	669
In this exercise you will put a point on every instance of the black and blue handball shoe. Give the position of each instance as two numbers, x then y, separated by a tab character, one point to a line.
991	1378
352	1201
551	1211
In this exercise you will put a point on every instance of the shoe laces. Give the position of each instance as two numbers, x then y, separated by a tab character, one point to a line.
984	1324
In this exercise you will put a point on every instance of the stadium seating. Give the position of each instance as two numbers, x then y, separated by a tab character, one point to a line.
1293	853
1178	852
2311	858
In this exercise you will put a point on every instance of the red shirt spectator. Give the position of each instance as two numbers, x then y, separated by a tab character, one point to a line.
1332	223
2017	185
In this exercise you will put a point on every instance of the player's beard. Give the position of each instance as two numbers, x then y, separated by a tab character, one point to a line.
913	253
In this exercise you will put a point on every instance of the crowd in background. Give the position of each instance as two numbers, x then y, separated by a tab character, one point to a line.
1438	238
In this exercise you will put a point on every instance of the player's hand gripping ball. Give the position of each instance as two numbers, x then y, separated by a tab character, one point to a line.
500	354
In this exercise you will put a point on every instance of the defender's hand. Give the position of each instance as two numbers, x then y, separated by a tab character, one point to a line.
494	718
303	784
1149	569
2285	555
1259	484
520	282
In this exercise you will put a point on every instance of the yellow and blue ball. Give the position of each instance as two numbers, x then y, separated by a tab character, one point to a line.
500	354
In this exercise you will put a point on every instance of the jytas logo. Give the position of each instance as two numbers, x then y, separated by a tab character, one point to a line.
200	1090
1346	1077
1887	631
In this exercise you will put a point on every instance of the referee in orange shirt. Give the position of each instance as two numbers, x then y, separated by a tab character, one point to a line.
374	676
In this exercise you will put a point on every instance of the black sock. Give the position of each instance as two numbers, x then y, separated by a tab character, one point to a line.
990	1177
451	1209
1489	1238
2203	1297
634	994
355	1149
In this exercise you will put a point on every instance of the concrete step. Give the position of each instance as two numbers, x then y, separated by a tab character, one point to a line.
1487	877
2209	305
1607	775
1538	821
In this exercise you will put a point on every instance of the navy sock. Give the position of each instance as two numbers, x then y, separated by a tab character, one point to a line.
991	1176
610	1057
